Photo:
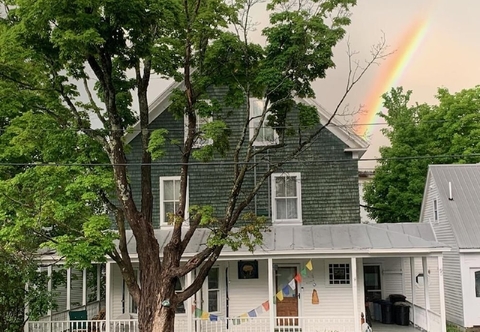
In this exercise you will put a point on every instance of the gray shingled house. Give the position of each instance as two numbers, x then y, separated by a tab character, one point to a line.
317	265
451	204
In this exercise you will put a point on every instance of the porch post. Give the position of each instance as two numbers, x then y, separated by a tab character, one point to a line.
84	288
271	294
49	287
69	288
108	307
443	315
412	282
425	291
99	280
25	313
189	304
356	317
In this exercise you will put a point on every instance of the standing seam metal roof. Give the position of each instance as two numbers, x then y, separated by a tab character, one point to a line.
463	211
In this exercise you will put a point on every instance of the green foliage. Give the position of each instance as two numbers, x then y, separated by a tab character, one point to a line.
156	144
447	132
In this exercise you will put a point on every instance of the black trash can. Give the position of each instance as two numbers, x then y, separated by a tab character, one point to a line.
394	298
387	313
402	313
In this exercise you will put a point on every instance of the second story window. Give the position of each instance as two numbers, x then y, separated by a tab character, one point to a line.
169	197
267	134
200	140
435	210
286	198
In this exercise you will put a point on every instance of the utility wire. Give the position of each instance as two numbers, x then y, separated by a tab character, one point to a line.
230	163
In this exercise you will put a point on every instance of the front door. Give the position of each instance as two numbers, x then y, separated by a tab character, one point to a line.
373	284
288	307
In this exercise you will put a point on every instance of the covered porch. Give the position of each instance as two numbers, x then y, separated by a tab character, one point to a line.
304	279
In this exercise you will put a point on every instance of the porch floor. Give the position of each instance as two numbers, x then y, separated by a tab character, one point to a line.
379	327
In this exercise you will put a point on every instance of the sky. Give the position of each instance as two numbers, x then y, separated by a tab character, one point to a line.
435	43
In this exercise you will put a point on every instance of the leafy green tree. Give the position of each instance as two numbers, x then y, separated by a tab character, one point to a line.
68	62
420	135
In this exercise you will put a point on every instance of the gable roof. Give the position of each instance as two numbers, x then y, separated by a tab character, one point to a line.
355	143
351	239
463	210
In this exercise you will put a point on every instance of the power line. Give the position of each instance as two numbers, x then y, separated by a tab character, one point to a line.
231	163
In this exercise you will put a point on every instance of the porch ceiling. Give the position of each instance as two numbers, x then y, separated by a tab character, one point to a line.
318	239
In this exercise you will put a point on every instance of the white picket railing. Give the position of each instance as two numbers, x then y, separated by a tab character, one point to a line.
238	324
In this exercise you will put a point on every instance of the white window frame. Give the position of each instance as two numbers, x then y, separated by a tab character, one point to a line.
132	306
200	122
163	222
297	220
331	282
252	127
435	210
207	291
182	286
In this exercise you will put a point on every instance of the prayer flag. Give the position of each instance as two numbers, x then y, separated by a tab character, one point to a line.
266	305
286	290
292	284
303	272
205	315
259	310
280	296
298	278
213	318
252	313
309	265
198	313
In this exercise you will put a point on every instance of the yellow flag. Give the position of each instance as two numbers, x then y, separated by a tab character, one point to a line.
280	296
309	265
205	315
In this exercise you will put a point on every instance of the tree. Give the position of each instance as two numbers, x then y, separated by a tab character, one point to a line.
65	200
420	135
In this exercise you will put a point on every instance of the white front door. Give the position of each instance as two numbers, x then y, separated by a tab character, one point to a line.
474	291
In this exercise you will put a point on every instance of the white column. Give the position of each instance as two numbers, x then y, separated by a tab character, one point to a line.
356	316
69	288
108	307
412	282
271	294
25	316
49	287
84	288
189	304
425	292
99	281
443	315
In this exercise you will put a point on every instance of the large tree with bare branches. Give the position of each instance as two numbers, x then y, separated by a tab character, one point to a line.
74	63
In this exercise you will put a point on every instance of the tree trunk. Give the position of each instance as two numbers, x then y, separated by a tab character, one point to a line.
152	315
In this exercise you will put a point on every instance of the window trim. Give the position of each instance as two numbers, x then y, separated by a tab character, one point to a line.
182	288
197	144
327	273
297	220
162	179
252	128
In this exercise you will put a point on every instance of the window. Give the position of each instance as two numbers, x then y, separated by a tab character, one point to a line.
132	305
179	287
201	121
339	274
170	197
435	210
477	284
213	290
267	134
286	198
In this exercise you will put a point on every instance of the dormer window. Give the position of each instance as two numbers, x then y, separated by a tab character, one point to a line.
267	134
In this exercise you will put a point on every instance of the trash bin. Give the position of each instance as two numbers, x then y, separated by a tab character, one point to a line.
402	313
387	313
377	308
394	298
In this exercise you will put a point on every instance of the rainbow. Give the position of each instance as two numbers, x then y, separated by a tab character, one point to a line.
391	73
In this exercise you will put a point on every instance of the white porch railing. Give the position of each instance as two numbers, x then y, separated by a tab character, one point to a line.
239	324
434	319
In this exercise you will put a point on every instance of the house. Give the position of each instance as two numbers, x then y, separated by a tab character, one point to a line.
451	204
317	265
